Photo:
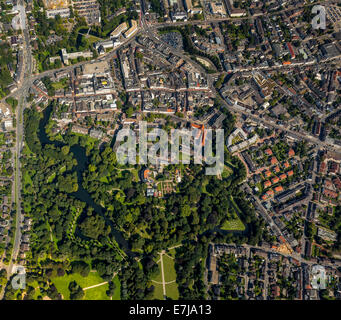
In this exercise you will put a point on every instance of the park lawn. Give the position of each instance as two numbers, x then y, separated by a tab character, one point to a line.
120	196
226	172
92	39
27	178
26	150
135	174
27	181
203	186
169	269
117	294
62	283
172	291
2	139
37	292
57	85
235	224
143	233
158	278
98	293
235	205
172	252
51	177
104	179
158	292
27	207
61	84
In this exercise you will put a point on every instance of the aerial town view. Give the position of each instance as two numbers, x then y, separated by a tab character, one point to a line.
170	150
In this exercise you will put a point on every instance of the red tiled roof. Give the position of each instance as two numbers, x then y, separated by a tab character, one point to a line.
267	184
270	192
323	167
268	152
279	189
275	180
268	173
283	176
330	193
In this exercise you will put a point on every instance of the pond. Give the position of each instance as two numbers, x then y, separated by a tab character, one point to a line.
81	194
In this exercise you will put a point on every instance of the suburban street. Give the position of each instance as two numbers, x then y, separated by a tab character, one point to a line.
19	142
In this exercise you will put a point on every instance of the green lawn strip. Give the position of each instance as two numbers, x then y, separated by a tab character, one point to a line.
235	205
136	175
158	292
168	267
51	177
172	291
117	294
27	179
158	278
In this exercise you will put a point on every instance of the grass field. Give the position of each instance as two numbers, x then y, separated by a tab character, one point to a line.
117	295
27	178
62	284
158	294
158	278
97	293
168	266
235	225
62	84
172	290
169	276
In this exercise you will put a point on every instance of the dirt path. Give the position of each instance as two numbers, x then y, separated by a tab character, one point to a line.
163	275
96	285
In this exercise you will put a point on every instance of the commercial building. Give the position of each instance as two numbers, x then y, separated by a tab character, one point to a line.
188	5
234	12
63	13
131	30
74	55
119	30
